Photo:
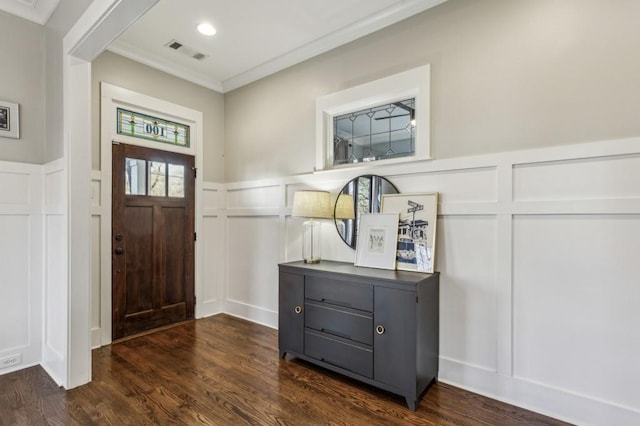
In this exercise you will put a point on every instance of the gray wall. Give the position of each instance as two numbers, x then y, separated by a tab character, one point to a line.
22	81
120	71
65	15
505	75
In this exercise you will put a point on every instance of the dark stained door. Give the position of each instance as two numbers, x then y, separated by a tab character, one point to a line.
152	239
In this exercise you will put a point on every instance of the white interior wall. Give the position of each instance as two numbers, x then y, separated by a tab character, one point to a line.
505	75
514	207
22	81
536	250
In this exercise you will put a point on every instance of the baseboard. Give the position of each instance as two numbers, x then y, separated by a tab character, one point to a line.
251	313
96	338
557	403
208	308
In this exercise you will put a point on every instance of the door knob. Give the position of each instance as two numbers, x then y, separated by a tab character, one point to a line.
119	250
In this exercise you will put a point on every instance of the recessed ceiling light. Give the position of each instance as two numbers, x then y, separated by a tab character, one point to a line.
206	29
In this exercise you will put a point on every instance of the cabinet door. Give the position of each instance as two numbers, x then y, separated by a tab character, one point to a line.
290	313
394	339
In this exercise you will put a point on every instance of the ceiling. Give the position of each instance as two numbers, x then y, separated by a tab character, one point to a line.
255	38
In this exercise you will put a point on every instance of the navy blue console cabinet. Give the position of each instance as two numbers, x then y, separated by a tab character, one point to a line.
376	326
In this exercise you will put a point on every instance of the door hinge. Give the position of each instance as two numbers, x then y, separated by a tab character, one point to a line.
195	172
195	236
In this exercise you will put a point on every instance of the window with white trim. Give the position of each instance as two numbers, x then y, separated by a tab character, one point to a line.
386	121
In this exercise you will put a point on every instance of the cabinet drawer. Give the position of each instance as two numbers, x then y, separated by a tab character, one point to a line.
339	322
332	351
337	292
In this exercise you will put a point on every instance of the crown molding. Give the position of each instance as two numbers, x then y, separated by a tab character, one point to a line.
359	29
38	11
139	55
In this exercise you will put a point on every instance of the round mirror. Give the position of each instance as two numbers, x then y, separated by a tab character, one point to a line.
361	195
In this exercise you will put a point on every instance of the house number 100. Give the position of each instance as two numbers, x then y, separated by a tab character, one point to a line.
158	131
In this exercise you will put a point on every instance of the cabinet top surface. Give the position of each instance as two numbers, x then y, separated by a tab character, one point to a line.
329	266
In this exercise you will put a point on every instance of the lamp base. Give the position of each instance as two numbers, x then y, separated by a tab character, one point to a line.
311	241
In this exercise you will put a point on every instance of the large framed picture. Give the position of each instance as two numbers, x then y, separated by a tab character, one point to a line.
9	120
416	230
376	243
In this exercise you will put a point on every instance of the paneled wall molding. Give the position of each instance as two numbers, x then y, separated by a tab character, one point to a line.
55	276
516	265
566	216
21	239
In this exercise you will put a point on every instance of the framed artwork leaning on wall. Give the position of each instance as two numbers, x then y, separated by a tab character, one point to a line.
416	230
376	243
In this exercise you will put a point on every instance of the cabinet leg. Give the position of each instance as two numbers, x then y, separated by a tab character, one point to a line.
411	403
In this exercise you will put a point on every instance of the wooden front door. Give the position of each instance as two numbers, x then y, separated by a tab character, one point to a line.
152	239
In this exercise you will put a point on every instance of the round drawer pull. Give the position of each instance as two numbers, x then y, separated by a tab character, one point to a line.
380	329
298	309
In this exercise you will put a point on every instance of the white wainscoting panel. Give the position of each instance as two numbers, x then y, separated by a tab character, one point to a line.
20	266
476	185
54	348
293	238
96	190
576	299
211	197
607	177
96	272
100	264
15	304
251	198
15	187
253	251
466	255
212	266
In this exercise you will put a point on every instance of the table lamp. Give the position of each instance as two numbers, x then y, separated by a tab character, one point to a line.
311	205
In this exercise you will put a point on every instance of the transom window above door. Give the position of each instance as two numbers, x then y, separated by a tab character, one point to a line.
154	178
143	126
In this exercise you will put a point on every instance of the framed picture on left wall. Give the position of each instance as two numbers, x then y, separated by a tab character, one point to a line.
9	120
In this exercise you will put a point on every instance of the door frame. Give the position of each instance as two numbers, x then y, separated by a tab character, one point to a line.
101	23
111	98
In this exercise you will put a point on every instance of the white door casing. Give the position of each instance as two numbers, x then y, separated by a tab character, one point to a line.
113	97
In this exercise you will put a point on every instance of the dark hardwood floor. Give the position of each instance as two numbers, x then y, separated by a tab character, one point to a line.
226	371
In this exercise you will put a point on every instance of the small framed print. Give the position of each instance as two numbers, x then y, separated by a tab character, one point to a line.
377	241
416	230
9	120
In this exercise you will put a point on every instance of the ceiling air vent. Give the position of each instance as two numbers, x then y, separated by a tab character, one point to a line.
185	50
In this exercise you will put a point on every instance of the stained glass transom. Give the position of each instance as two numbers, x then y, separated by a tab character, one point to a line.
156	129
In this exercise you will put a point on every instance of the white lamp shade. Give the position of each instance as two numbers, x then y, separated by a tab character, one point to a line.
315	204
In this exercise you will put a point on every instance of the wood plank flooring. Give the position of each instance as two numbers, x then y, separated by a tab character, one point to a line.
226	371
